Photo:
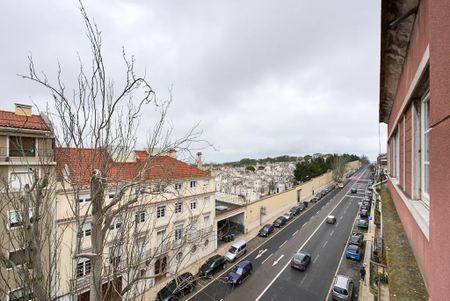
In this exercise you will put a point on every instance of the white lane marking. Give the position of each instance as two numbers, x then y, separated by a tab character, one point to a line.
294	233
325	244
345	211
267	258
332	232
341	217
282	244
278	260
315	259
261	252
303	280
306	241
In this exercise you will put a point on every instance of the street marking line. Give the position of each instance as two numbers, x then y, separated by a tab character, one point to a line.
294	233
303	280
332	232
282	244
341	217
278	260
312	234
316	258
261	252
325	244
267	258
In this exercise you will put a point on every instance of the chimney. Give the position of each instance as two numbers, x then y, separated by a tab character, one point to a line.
23	110
199	160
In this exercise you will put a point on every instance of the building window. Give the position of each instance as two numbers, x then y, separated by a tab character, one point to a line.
139	248
86	230
178	207
22	146
20	180
193	204
206	200
206	221
193	184
15	218
140	216
115	256
395	153
178	233
425	147
178	186
160	211
116	223
83	268
21	294
84	199
17	258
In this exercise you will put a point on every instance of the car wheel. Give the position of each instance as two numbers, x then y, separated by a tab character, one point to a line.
240	281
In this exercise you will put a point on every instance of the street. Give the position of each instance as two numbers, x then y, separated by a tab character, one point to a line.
273	278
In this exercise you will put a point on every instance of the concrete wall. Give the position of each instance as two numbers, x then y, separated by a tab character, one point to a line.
280	203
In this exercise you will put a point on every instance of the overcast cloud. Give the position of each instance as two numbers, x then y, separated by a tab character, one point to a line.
263	78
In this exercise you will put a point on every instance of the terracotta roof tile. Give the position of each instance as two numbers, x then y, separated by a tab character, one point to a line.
81	162
33	122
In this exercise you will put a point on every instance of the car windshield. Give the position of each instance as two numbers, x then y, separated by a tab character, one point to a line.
266	228
238	270
340	290
232	249
279	220
299	256
353	248
167	290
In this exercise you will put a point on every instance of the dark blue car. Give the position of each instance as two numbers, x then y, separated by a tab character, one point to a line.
240	272
353	252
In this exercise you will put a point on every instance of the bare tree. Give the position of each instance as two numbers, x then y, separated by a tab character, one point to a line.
28	241
102	118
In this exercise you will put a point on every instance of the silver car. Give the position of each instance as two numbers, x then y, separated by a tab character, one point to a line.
342	288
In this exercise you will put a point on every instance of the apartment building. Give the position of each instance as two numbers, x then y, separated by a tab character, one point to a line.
26	204
168	227
415	104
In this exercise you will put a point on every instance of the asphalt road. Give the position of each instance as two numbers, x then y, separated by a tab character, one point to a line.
273	279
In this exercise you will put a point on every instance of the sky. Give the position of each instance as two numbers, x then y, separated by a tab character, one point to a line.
262	78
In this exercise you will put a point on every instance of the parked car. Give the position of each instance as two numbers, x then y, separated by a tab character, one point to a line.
353	252
288	215
340	185
236	250
354	190
356	238
296	210
301	260
363	223
331	219
266	230
212	266
364	213
240	272
177	288
228	237
342	288
279	222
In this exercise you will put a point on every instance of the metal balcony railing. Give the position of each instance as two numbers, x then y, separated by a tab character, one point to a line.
31	152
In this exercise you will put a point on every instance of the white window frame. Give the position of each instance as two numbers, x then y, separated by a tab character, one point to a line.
18	217
116	223
178	207
84	199
161	211
193	184
83	263
193	204
207	201
140	216
425	130
178	233
178	186
17	250
20	289
18	180
86	230
206	221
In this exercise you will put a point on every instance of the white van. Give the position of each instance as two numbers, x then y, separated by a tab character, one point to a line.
236	250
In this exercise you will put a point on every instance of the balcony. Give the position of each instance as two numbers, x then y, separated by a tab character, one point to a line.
161	249
11	156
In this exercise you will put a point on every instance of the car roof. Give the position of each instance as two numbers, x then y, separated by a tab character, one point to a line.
238	243
215	257
341	281
243	263
352	248
303	253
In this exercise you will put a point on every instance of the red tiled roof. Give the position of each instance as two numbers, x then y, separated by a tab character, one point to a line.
33	122
81	162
